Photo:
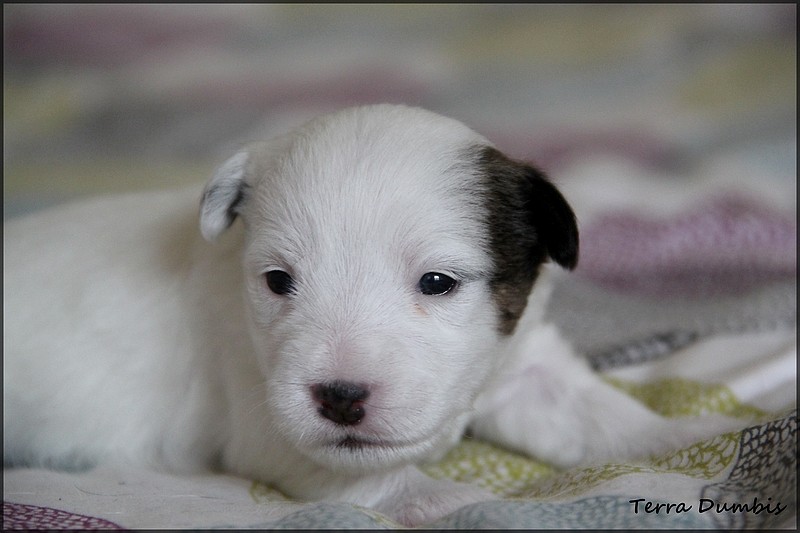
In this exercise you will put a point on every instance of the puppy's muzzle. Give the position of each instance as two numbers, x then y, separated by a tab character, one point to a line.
341	402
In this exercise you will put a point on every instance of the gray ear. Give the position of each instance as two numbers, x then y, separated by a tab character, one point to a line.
223	196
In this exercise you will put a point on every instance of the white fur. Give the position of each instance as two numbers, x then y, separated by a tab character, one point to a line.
127	337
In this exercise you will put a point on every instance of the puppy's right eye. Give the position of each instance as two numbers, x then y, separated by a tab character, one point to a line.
279	282
434	283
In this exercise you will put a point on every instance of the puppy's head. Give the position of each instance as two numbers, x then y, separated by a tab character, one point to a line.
388	252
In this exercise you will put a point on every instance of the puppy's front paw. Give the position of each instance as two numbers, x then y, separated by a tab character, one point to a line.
587	424
556	437
425	500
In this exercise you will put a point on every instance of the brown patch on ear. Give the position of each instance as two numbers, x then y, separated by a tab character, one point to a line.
529	221
511	298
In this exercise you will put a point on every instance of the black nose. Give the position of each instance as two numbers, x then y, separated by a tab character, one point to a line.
341	402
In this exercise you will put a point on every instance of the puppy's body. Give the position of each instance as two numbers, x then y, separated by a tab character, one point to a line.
318	346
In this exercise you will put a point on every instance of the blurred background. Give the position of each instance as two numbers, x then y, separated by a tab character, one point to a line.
108	98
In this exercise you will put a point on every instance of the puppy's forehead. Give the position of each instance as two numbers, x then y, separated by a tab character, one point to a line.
377	146
371	174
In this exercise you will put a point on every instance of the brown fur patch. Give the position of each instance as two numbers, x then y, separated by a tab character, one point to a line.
529	221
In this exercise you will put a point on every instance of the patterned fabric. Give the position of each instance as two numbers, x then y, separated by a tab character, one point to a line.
31	517
671	129
766	463
609	326
724	246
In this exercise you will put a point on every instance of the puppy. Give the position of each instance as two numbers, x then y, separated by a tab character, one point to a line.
376	300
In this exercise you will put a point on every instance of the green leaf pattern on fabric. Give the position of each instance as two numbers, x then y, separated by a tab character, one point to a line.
676	397
503	472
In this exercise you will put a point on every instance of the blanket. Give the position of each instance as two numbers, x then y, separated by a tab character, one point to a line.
671	129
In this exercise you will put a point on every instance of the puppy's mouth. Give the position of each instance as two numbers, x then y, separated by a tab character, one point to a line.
367	452
356	444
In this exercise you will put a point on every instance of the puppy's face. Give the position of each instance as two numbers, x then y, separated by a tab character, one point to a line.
388	252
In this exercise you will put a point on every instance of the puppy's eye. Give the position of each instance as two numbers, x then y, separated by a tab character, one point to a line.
279	282
433	283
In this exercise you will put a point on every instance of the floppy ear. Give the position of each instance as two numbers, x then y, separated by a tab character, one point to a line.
552	217
531	219
529	222
223	196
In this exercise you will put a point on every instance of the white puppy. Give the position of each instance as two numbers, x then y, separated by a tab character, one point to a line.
371	306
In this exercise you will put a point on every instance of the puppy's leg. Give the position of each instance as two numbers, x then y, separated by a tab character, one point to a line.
412	498
548	403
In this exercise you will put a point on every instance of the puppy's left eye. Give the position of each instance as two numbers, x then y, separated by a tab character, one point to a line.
434	283
279	282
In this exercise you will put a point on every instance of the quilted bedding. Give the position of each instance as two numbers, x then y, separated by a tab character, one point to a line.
671	129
